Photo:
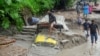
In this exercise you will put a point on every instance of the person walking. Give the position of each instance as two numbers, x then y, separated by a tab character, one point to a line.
52	21
93	32
86	28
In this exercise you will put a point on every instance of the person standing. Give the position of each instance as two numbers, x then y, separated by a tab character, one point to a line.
79	21
78	8
86	28
90	8
85	10
93	32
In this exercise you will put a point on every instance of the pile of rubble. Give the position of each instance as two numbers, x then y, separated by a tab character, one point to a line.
71	39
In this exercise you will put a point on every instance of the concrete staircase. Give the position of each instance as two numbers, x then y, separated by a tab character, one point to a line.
28	30
27	34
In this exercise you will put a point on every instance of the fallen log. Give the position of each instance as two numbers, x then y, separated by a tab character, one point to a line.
7	41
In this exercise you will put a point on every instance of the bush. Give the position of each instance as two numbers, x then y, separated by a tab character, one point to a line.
38	6
69	3
9	14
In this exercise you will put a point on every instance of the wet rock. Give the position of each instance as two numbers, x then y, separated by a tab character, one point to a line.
64	41
73	39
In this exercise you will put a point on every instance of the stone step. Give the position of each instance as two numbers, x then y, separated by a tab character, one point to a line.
29	30
30	27
24	37
27	33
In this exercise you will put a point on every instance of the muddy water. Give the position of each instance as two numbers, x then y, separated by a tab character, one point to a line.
83	50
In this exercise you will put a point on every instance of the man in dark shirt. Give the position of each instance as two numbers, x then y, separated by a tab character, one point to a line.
86	27
93	31
52	21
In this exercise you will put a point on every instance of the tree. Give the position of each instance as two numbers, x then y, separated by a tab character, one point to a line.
10	10
9	14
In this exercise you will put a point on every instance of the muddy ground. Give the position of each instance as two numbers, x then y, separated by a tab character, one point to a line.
74	36
25	42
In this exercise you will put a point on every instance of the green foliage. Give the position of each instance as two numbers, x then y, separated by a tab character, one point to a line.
5	23
10	9
38	6
69	3
1	13
9	13
57	2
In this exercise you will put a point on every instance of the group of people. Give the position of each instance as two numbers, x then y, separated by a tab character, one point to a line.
91	29
85	8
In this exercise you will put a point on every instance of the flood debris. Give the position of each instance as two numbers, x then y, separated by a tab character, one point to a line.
4	40
42	39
